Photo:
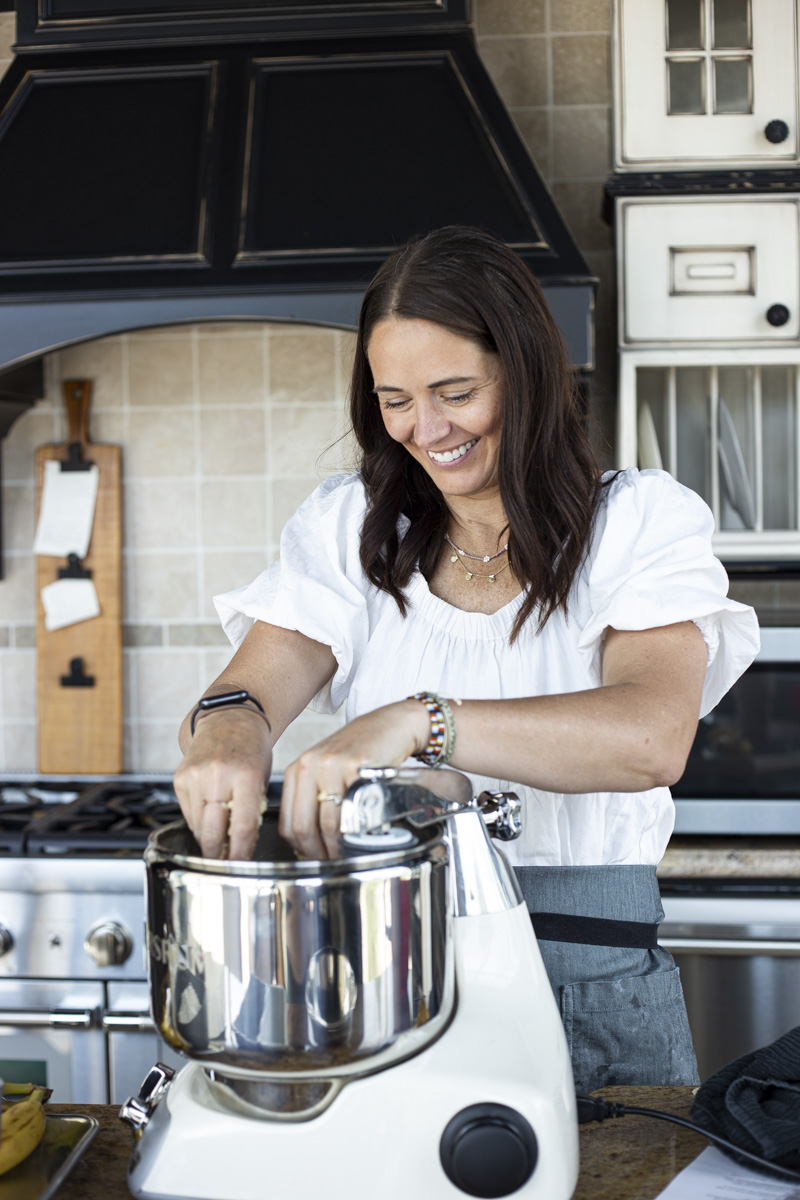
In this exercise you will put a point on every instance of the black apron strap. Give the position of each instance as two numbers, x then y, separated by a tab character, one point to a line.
594	931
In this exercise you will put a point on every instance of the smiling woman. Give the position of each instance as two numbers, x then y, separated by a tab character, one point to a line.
479	595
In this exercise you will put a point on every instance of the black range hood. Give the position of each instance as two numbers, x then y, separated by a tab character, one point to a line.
174	161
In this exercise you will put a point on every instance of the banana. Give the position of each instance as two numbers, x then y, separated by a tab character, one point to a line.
22	1127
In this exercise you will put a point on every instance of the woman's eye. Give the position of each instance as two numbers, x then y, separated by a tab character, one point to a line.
394	403
460	398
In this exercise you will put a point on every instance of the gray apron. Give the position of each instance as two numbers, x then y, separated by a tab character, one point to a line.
622	1006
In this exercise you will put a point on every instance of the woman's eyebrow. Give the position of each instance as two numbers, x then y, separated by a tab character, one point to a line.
437	384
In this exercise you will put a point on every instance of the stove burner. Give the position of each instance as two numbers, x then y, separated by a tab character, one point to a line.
111	818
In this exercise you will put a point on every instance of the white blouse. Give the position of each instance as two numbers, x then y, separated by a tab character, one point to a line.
650	564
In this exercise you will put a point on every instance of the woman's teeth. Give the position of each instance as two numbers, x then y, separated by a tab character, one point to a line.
452	455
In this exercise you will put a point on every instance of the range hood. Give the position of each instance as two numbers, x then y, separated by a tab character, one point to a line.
190	160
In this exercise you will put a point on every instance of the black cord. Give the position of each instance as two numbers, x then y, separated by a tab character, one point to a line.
592	1108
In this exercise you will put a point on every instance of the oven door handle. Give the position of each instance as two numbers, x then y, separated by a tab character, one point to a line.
737	947
128	1023
84	1019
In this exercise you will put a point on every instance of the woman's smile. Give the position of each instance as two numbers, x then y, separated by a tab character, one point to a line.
441	397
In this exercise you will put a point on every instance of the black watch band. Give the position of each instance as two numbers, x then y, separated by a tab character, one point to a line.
224	700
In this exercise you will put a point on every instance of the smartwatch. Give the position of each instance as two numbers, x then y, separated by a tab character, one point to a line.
224	700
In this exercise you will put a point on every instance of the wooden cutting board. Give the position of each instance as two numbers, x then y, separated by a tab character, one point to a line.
80	727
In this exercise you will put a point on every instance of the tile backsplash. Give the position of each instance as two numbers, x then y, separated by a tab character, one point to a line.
224	429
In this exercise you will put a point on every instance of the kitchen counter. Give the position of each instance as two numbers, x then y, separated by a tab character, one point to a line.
731	857
633	1158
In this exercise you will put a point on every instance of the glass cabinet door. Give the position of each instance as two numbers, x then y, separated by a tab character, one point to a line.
710	80
728	432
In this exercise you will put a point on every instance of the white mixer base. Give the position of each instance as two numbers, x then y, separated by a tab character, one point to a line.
381	1135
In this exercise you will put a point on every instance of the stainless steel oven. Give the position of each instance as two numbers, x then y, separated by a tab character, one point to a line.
735	939
74	1001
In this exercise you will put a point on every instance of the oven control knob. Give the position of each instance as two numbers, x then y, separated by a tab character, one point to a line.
776	132
488	1150
6	941
777	314
108	943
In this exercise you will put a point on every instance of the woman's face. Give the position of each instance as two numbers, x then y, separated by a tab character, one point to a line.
441	397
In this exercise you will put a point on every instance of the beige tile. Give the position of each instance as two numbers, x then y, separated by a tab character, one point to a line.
161	443
231	370
32	429
580	16
18	588
237	328
8	34
345	353
158	751
306	731
130	746
510	16
287	495
225	570
18	516
19	685
162	586
5	635
301	435
21	748
233	513
534	127
142	635
99	361
24	636
582	143
108	427
232	441
160	515
168	683
214	663
207	633
603	265
518	67
129	684
180	330
302	367
581	73
581	206
160	371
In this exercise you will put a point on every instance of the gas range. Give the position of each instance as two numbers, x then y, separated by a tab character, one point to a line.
74	1001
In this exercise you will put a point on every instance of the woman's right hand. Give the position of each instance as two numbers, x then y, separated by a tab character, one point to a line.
222	780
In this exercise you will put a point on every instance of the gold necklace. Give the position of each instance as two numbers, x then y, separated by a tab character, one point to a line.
476	574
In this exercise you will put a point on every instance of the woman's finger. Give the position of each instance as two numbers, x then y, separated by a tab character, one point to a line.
213	831
247	808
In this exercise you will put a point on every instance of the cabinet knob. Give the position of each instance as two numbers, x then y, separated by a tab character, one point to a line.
776	131
108	943
777	314
6	941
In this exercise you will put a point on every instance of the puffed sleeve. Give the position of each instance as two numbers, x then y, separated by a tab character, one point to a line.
317	586
651	564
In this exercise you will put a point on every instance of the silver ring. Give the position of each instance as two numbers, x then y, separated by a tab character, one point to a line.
334	797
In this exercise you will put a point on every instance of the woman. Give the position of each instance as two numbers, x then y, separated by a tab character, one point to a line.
571	629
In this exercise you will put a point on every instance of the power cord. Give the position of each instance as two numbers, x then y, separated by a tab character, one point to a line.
591	1108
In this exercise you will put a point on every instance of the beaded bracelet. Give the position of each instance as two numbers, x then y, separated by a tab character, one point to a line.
442	740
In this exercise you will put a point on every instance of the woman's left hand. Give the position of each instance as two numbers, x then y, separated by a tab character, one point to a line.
389	735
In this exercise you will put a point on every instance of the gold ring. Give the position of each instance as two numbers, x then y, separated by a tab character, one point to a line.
334	797
222	803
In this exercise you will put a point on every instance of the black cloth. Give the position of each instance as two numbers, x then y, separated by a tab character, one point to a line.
755	1102
594	931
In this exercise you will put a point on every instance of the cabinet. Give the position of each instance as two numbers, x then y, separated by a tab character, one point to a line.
707	216
709	82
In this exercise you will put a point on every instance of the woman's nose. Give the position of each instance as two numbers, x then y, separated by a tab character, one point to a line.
432	424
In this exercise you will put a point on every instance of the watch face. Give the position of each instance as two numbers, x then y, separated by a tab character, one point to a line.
226	698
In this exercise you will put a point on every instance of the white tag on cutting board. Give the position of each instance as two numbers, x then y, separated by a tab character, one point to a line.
67	512
714	1176
68	601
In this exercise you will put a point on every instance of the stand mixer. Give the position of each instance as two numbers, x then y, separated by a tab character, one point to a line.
378	1024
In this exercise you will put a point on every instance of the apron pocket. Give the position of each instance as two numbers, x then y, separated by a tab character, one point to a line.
628	1031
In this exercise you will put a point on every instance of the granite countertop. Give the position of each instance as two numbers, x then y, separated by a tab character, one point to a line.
633	1158
731	857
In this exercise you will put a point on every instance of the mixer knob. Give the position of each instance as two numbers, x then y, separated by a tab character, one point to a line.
6	941
108	943
488	1150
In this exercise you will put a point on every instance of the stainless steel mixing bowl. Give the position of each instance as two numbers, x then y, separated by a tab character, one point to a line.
295	968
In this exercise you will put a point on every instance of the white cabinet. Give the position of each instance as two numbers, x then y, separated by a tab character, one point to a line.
709	269
708	82
728	426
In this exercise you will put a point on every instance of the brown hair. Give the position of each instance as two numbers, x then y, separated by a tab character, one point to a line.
473	285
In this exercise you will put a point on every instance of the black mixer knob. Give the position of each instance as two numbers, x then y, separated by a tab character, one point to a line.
488	1150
